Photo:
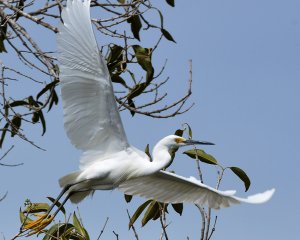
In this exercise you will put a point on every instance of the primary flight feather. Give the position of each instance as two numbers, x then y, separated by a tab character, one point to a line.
93	124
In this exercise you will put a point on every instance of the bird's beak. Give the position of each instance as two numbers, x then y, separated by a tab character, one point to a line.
194	142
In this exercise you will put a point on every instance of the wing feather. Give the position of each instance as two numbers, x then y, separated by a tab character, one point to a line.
91	118
171	188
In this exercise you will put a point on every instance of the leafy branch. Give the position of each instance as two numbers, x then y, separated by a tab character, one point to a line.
129	62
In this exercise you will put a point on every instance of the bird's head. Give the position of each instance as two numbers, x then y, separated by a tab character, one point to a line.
173	141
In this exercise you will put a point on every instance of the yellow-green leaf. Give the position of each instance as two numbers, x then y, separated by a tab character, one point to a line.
37	207
138	212
78	226
24	219
151	212
189	130
202	156
58	231
143	56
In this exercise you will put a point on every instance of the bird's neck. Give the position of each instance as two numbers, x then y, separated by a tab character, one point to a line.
161	158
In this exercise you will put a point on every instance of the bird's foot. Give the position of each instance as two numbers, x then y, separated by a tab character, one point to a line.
39	224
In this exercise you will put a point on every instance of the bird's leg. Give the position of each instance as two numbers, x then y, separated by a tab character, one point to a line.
62	204
63	191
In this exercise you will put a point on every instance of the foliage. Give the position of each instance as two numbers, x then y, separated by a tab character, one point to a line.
49	230
149	210
154	210
133	73
130	63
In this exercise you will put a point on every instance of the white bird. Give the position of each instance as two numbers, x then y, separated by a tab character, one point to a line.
93	124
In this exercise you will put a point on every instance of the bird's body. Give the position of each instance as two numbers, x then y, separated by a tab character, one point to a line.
105	174
93	124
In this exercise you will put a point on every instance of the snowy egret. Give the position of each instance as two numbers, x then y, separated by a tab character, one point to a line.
93	124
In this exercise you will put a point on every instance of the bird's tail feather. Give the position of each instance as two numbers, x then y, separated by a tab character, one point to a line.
79	196
69	179
76	193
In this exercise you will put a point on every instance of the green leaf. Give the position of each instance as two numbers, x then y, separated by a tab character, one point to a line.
137	90
43	122
167	35
4	130
35	117
131	104
36	208
117	79
143	56
115	53
189	130
178	207
3	30
179	132
59	230
53	99
202	156
136	25
138	212
17	103
78	226
24	219
148	152
58	204
16	124
32	102
127	198
151	212
243	176
114	60
48	87
121	1
171	2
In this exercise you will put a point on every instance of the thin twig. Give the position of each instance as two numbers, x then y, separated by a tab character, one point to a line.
214	228
9	165
117	235
163	221
103	228
202	212
132	226
4	196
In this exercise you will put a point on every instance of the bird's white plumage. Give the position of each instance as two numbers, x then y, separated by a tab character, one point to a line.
91	117
171	188
93	124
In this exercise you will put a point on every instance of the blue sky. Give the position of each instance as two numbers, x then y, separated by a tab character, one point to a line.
246	57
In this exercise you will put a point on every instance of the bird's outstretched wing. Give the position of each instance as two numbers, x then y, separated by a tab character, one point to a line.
91	118
170	188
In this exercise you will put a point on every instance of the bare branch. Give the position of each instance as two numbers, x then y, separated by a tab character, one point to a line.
3	197
103	228
132	226
36	20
